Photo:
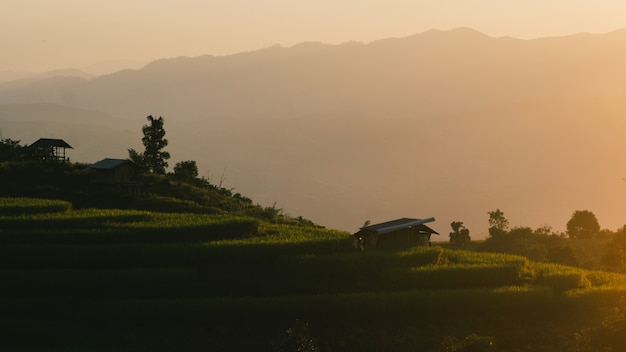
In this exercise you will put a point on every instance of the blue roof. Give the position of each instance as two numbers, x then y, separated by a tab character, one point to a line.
108	163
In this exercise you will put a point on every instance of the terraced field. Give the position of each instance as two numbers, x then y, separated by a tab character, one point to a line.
110	280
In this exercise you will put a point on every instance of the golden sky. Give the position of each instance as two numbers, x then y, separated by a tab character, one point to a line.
40	35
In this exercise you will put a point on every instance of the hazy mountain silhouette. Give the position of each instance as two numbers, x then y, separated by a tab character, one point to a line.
416	76
450	124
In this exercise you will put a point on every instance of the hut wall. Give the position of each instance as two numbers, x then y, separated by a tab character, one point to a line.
403	238
122	174
125	174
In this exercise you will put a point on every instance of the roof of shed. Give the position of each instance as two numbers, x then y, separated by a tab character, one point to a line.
399	224
108	163
50	142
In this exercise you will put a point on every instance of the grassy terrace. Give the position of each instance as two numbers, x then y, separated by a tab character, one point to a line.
109	280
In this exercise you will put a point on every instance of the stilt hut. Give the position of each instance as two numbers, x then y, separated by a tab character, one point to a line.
50	149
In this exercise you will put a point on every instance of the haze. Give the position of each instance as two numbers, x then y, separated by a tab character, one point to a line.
104	36
363	111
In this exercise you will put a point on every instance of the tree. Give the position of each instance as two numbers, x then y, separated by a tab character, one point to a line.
498	224
154	141
138	158
460	237
186	171
11	150
583	224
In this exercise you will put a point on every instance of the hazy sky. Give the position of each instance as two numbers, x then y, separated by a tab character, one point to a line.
40	35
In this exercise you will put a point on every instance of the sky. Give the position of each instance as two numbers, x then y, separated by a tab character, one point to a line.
96	35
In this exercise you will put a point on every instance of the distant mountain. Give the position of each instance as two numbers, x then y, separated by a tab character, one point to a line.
111	66
450	124
417	76
18	79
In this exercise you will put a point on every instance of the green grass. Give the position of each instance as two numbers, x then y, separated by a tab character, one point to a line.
22	205
121	226
107	280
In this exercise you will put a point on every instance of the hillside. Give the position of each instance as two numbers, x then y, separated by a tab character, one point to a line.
108	280
447	124
71	183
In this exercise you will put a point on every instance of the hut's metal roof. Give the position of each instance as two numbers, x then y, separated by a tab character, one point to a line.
49	143
399	224
109	163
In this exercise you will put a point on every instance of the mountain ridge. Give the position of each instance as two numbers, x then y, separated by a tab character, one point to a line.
346	133
394	75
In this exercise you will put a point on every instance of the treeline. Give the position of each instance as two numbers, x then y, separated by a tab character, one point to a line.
584	245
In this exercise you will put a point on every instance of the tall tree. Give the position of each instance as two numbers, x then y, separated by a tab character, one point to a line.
583	224
154	141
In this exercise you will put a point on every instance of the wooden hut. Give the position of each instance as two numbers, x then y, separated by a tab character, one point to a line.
50	149
405	232
115	172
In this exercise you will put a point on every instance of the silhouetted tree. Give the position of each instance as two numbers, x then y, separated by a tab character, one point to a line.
583	224
153	158
186	171
154	141
498	224
138	158
460	237
11	150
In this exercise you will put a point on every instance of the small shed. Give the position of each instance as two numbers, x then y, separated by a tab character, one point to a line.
50	149
115	171
404	232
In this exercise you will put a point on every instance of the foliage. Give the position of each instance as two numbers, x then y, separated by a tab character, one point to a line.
154	141
498	224
139	159
583	224
540	245
460	237
186	171
614	256
609	336
11	150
